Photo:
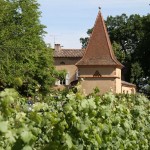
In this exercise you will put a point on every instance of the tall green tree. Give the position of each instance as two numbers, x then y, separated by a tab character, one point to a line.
118	52
25	62
142	54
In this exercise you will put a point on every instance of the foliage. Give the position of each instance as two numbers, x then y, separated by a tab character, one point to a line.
136	73
70	120
143	51
118	52
61	74
132	33
25	62
85	40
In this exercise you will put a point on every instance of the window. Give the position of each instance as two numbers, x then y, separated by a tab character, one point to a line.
57	82
64	81
67	79
77	75
62	63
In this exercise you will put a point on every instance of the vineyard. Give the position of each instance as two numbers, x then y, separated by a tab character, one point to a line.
71	121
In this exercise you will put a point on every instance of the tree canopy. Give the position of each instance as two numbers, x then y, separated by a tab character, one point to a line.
69	120
25	62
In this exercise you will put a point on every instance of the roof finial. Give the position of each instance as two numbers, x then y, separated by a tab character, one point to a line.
99	8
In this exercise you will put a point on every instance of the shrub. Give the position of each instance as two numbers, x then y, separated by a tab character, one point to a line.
73	121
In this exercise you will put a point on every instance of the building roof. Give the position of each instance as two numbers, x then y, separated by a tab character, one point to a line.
69	53
99	50
127	84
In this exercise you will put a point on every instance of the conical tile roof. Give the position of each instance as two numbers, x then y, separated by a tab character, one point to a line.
99	50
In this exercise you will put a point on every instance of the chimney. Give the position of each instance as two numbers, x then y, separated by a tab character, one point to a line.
57	47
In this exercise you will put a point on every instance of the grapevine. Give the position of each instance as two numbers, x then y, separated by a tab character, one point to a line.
72	121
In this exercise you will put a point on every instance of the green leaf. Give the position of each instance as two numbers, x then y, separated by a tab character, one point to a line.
92	104
126	125
68	140
84	103
3	126
98	139
27	136
11	138
27	147
1	148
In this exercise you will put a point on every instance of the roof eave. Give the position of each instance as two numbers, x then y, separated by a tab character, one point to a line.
117	66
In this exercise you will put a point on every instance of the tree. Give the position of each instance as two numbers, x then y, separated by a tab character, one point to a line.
118	52
136	74
142	54
85	40
25	62
143	49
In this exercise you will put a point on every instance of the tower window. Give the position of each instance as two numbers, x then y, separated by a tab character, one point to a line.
96	74
62	63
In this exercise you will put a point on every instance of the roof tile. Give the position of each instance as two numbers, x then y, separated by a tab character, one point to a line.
127	83
69	53
99	50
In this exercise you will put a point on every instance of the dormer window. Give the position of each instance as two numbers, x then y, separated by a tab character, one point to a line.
62	63
96	74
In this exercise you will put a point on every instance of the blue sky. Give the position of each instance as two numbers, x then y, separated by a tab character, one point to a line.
68	20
